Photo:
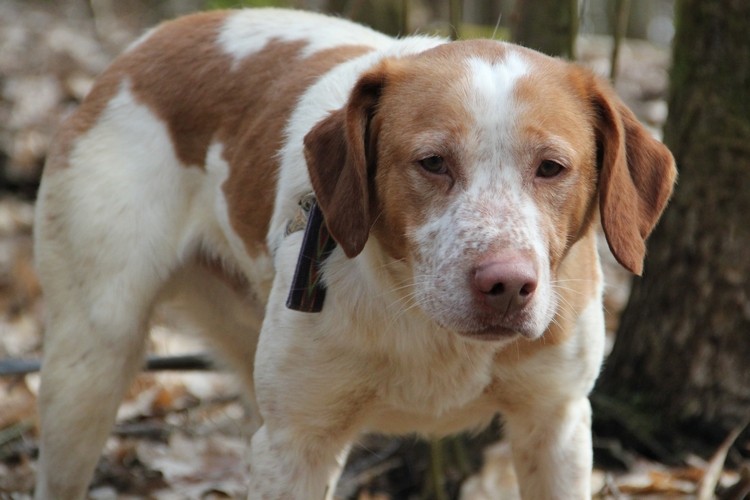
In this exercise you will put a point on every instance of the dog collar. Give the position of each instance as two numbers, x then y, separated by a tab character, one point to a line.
308	291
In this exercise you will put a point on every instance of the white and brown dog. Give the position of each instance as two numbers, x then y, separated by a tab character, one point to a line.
449	269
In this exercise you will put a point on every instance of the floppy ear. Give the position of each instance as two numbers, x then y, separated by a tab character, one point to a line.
336	150
636	177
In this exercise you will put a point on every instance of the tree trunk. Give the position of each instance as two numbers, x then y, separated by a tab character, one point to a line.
549	26
382	15
682	352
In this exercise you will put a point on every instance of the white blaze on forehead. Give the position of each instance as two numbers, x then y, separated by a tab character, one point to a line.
492	103
496	181
493	82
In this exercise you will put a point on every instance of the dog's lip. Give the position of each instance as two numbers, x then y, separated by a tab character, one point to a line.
491	333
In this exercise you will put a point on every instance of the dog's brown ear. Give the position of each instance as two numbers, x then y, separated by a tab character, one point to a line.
636	177
336	150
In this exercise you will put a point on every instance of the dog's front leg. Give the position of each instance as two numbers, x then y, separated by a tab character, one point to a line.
552	450
301	449
288	467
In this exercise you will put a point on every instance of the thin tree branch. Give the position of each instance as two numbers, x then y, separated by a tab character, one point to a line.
187	362
622	12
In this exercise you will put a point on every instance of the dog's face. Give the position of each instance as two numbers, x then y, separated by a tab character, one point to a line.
480	164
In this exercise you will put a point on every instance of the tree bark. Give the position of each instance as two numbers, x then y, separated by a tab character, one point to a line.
382	15
682	351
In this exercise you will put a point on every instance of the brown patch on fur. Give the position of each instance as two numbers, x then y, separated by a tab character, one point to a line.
416	119
79	123
245	108
160	69
183	75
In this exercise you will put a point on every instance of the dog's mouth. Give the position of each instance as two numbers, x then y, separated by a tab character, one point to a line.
505	329
491	333
468	318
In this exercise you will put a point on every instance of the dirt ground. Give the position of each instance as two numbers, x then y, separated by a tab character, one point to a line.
181	434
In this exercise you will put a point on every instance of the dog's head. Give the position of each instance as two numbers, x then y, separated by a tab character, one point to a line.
480	164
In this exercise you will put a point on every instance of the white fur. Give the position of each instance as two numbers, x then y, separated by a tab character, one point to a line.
116	231
244	30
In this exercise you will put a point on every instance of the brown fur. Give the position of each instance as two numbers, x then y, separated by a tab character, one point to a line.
634	185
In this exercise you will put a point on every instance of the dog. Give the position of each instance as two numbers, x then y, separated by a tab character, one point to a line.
379	234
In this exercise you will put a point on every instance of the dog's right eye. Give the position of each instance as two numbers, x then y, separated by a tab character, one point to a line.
434	164
548	169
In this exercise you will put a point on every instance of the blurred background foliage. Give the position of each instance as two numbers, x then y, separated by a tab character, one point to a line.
647	19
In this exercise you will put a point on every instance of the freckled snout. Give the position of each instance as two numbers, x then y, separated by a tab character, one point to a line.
506	283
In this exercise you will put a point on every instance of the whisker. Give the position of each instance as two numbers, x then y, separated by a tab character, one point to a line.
573	279
565	308
568	289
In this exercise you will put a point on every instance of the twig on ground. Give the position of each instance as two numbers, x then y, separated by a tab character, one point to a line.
741	489
199	361
710	479
437	474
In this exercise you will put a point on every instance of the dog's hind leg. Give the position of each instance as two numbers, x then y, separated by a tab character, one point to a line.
92	352
99	287
103	254
113	223
228	314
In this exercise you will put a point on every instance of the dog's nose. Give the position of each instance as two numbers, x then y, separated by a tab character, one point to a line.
508	283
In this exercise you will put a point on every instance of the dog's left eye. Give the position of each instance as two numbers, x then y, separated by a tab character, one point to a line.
549	168
434	164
